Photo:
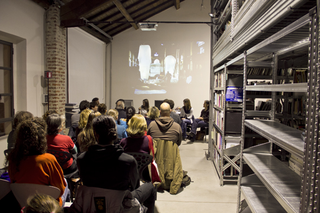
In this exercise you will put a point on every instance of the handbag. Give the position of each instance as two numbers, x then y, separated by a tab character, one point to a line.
154	167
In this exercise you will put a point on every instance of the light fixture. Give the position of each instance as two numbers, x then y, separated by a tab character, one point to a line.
148	26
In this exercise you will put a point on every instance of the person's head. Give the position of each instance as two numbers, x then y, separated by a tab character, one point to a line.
94	106
96	100
170	102
113	113
92	115
102	108
206	104
54	122
49	112
165	110
130	112
137	126
145	104
187	104
21	116
105	129
30	140
41	203
120	104
84	105
154	113
84	115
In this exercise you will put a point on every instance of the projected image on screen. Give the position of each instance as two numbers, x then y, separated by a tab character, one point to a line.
163	65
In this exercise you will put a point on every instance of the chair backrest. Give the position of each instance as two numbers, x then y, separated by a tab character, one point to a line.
62	157
93	199
143	161
4	188
22	191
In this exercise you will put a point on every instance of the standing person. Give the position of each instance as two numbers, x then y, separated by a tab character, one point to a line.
120	106
121	130
202	121
59	142
86	137
164	127
119	170
186	116
95	100
173	113
29	162
94	106
144	109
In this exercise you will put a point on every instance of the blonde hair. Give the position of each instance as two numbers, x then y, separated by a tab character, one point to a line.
154	113
42	203
113	113
137	125
86	136
84	115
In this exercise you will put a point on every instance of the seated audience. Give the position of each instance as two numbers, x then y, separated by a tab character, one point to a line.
144	109
121	109
153	114
94	106
59	142
41	203
119	170
86	137
50	112
137	140
29	162
75	120
84	115
102	108
173	113
164	127
18	118
186	116
202	121
121	130
131	111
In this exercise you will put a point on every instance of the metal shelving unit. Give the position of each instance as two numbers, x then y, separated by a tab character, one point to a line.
275	187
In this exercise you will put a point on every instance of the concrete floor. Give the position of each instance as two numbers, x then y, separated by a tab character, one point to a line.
204	194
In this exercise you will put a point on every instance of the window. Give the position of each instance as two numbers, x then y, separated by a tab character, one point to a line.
6	88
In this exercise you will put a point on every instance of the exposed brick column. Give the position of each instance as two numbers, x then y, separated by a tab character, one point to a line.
56	59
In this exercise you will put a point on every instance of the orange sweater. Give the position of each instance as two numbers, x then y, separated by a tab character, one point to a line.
39	169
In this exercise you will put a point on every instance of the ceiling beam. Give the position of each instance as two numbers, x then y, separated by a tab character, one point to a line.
79	8
96	34
125	13
176	4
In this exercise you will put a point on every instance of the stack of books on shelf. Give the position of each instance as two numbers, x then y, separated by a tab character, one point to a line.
219	119
219	79
296	164
219	99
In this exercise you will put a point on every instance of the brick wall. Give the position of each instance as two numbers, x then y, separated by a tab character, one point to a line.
56	59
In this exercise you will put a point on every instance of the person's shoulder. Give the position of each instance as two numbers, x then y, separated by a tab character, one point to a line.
127	158
46	157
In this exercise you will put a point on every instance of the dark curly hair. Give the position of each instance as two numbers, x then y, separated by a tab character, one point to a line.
30	140
102	108
105	128
131	111
54	122
49	112
21	116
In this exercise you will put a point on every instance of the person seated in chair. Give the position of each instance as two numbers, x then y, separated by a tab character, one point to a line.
105	165
59	142
29	162
202	121
186	116
164	127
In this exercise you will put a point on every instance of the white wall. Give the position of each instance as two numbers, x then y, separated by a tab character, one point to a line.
22	23
86	59
124	79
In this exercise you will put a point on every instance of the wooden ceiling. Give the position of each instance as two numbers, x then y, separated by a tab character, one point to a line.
106	18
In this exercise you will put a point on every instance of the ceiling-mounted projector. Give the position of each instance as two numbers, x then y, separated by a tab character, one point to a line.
148	26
